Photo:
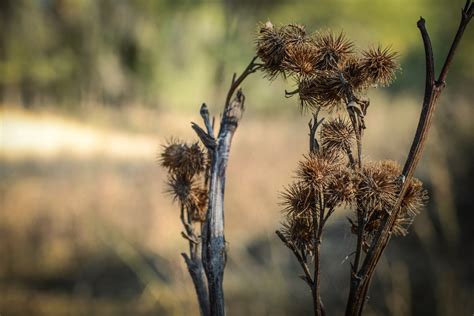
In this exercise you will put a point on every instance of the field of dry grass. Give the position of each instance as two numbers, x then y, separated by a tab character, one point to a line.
85	228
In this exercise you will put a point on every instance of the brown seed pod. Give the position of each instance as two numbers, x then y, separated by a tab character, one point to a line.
355	74
415	198
317	170
324	89
297	200
300	59
333	50
299	230
294	35
378	188
198	206
181	158
380	65
337	135
341	189
271	49
180	188
401	225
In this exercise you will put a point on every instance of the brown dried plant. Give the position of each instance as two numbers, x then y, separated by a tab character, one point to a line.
385	198
196	180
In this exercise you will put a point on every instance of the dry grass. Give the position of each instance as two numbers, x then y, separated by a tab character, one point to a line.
80	217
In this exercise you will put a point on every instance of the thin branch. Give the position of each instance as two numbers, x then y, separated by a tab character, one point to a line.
432	92
207	122
214	245
466	15
299	257
251	68
207	140
313	127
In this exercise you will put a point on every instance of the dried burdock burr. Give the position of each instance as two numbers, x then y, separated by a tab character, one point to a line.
333	50
317	170
341	189
380	65
300	59
294	35
180	187
355	73
337	135
377	189
181	158
299	231
324	89
297	200
271	47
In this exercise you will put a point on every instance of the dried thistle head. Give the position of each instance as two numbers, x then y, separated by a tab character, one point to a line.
189	195
378	187
380	65
341	189
299	230
333	50
317	170
297	200
271	48
415	198
337	135
198	204
180	187
301	59
324	89
355	74
181	158
294	35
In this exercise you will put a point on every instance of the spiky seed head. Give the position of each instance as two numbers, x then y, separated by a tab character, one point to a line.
380	65
180	187
324	89
299	230
341	189
415	198
271	49
297	200
355	74
401	225
317	170
337	135
181	158
198	204
333	50
294	35
378	188
300	59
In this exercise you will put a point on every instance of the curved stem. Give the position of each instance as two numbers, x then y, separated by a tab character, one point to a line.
433	90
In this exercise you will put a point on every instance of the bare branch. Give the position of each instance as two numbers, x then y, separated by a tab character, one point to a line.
313	127
205	138
307	278
214	244
196	272
207	122
432	92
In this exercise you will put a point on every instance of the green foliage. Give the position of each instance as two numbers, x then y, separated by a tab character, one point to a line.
176	54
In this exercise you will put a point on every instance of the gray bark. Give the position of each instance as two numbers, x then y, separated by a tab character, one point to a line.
214	249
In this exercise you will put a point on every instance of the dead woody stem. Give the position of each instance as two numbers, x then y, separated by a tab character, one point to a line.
360	279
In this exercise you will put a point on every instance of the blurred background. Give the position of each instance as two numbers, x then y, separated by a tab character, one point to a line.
90	90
